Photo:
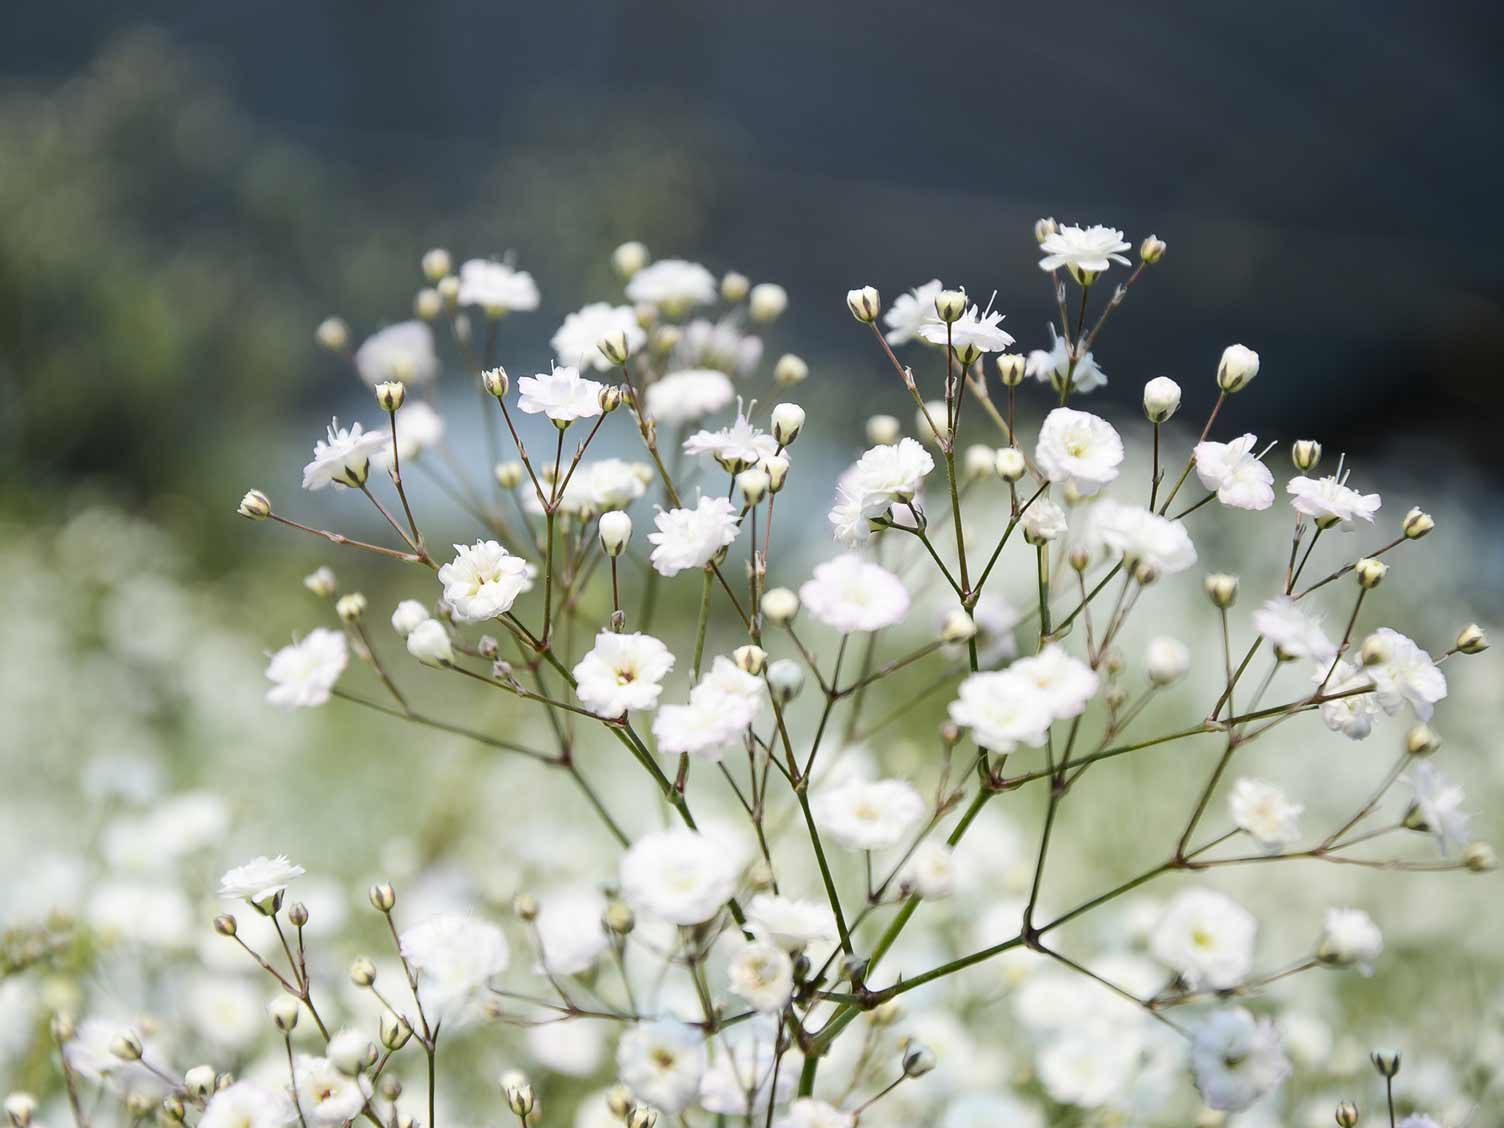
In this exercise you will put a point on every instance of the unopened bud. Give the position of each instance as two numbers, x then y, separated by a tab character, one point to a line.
1421	740
520	1100
321	582
1346	1115
1152	249
298	914
619	1101
613	347
382	896
1010	369
865	304
428	303
436	264
629	258
785	678
1370	572
1222	588
496	382
767	302
350	607
1375	651
333	334
1388	1064
882	430
750	659
284	1013
788	421
224	924
449	291
20	1107
734	286
776	467
255	505
665	338
1238	367
1044	228
1417	524
1305	454
610	398
1472	640
199	1081
393	1030
790	370
391	395
1161	399
780	605
1010	464
525	905
618	918
950	305
753	484
615	531
362	972
642	1116
917	1060
508	475
1479	857
980	462
958	627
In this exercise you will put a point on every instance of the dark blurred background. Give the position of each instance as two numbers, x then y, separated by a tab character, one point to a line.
185	190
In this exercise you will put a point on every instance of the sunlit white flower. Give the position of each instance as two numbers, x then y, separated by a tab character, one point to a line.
1064	684
1043	521
344	457
762	975
1237	475
887	473
402	352
721	706
408	615
807	1112
911	310
692	538
1050	366
680	876
1079	448
245	1104
563	395
662	1062
735	447
224	1010
576	341
1438	806
868	815
453	956
325	1095
303	673
1002	710
719	345
674	284
1144	538
976	331
570	934
790	922
1207	938
1330	501
483	581
1293	631
1088	1066
930	870
1350	937
259	880
1408	674
1236	1059
1351	714
689	394
429	643
622	672
851	594
496	287
1263	812
1084	251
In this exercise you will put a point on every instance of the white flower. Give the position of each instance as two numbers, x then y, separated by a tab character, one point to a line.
1239	477
1352	715
1002	710
674	284
863	815
1350	937
1064	684
930	870
483	581
1084	251
851	594
807	1112
1144	538
1079	448
735	447
1263	812
429	643
662	1062
622	672
910	311
762	975
596	486
1088	1066
324	1095
408	615
304	672
1236	1059
1330	501
888	473
740	1081
1293	632
692	538
575	342
563	395
975	331
1049	366
1043	521
697	729
689	394
259	880
453	955
246	1104
1207	938
419	427
344	457
402	352
679	876
496	287
1419	1120
789	922
1408	674
570	934
736	693
1438	806
1167	659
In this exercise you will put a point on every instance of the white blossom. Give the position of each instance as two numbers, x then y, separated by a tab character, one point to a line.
692	538
325	1096
1263	812
419	427
1236	1059
976	330
344	457
1438	806
1167	659
259	880
1350	937
496	287
850	594
1329	500
735	447
562	394
1351	714
930	871
1207	938
1002	710
1407	675
1050	366
1237	475
402	352
430	644
808	1112
453	955
1083	250
1293	631
910	311
571	936
622	672
762	975
790	922
689	394
674	284
1144	538
408	615
1043	521
1079	448
862	815
1064	684
679	876
305	672
245	1104
483	581
576	341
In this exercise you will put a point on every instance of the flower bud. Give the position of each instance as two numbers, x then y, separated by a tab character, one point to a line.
20	1107
1237	369
776	467
224	924
350	607
321	582
393	1031
786	679
1305	454
1374	651
1479	857
362	972
610	398
390	1087
428	303
255	505
199	1081
127	1046
1421	740
753	484
333	334
750	659
284	1013
382	896
790	370
958	626
1009	463
1346	1115
1472	640
1370	572
436	264
613	346
495	381
298	914
525	905
509	475
917	1060
780	605
882	430
1042	522
865	304
1167	660
1152	249
1222	588
618	919
629	258
391	395
449	292
429	643
980	462
520	1100
1010	369
615	531
1161	399
1044	228
619	1101
665	339
950	305
788	421
642	1116
734	286
1388	1064
767	302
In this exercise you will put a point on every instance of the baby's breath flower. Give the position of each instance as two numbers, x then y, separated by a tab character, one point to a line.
692	538
305	672
1236	1059
1078	448
344	457
258	881
404	352
622	672
1237	476
496	287
563	395
868	816
851	594
1084	251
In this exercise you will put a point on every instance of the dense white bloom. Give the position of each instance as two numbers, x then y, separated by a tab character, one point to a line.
1350	937
1064	684
496	287
1144	538
1082	250
1002	710
689	394
851	594
719	345
1049	366
910	311
887	473
343	457
1438	806
1330	501
259	879
1088	1066
622	672
789	922
429	643
762	975
304	672
679	876
1079	448
576	341
729	688
740	1080
1043	521
1239	477
402	352
1207	938
700	728
1408	674
570	934
408	615
930	870
692	538
1262	811
1236	1059
974	331
453	955
1352	715
246	1104
1294	632
562	394
674	284
325	1095
483	581
662	1063
596	486
868	815
1167	659
735	447
807	1112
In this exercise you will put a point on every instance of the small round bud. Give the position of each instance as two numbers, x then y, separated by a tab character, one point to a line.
642	1116
509	475
1421	740
1042	522
618	919
321	582
1115	697
865	304
767	302
776	467
1305	454
436	264
1152	249
629	258
20	1107
391	395
429	643
350	607
333	334
199	1081
1010	369
750	659
284	1012
1375	651
1161	399
734	286
1472	640
255	506
615	531
613	346
298	914
349	1052
917	1060
788	421
619	1101
1168	659
958	626
753	484
1417	524
882	430
1044	228
786	679
790	370
362	972
1079	559
1222	589
525	905
980	462
224	924
780	605
520	1100
1479	857
449	292
1238	367
665	339
610	398
393	1031
1009	463
382	896
1388	1064
390	1087
428	303
1346	1115
1370	572
495	381
950	305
